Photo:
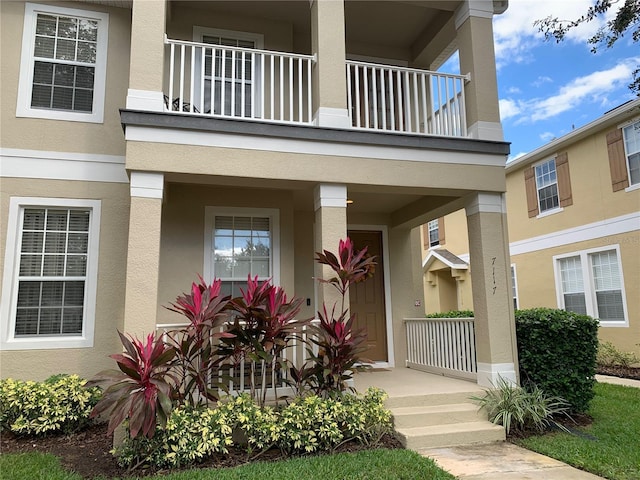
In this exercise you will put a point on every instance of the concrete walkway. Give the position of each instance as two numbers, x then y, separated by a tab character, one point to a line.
505	461
502	461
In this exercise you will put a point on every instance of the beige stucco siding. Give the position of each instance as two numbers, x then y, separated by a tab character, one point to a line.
183	231
593	197
537	287
39	364
56	135
243	162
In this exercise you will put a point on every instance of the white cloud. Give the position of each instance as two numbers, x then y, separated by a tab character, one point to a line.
508	108
547	136
541	81
593	87
516	36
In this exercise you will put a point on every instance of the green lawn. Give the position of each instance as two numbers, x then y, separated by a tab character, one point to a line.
370	465
615	453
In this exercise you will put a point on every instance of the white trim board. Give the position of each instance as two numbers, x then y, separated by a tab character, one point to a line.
590	231
40	164
311	147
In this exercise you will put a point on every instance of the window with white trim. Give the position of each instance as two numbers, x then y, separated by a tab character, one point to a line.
243	243
547	185
631	134
50	275
590	282
232	68
514	286
433	232
63	64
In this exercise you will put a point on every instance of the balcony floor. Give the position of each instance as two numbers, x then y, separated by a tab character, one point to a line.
405	382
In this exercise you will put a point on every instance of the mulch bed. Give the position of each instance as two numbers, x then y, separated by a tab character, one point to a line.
87	452
623	372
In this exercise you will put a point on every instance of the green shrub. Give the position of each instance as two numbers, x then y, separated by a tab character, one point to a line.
610	356
514	407
190	435
61	403
452	314
557	353
308	424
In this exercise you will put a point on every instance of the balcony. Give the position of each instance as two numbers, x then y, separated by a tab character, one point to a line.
268	86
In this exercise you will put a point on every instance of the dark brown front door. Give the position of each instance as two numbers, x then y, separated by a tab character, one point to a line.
366	299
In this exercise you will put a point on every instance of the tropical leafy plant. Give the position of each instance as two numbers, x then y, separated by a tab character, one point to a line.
520	410
197	360
609	356
339	343
264	322
141	390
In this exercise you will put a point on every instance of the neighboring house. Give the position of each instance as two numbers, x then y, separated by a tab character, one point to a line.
145	142
573	208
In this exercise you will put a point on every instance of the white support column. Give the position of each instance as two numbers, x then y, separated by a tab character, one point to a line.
331	227
329	74
491	276
473	22
143	253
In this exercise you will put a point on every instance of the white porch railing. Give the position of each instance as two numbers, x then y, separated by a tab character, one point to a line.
222	81
398	99
444	346
296	353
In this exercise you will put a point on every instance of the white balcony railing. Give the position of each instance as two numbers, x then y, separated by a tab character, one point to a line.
407	100
222	81
444	346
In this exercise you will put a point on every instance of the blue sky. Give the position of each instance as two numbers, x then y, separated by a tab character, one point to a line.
548	88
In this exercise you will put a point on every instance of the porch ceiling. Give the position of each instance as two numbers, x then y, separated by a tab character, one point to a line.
391	201
400	24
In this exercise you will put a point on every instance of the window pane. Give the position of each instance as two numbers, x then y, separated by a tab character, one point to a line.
46	25
86	52
72	321
52	294
78	243
83	101
260	267
223	267
57	220
610	307
84	77
575	302
29	294
26	321
634	168
224	226
30	265
76	266
53	266
605	270
67	27
74	294
571	275
66	50
62	98
88	30
78	221
55	242
50	321
41	96
33	219
32	242
242	268
44	47
64	75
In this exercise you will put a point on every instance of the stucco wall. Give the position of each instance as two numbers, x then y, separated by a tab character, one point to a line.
56	135
39	364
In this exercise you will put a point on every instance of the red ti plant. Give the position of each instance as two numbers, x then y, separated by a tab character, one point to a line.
262	327
141	390
339	343
197	358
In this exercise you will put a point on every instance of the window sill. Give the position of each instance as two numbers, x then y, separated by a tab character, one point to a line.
45	114
45	343
612	324
632	188
550	212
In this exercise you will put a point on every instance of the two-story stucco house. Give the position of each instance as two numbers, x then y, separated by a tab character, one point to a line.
574	225
145	142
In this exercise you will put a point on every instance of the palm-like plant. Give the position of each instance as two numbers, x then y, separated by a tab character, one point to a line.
141	390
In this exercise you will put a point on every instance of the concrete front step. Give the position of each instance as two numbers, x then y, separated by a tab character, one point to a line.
424	416
399	401
464	433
